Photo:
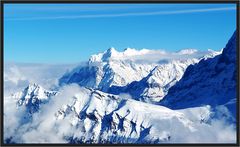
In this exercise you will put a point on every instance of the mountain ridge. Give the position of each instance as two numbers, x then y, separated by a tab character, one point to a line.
112	70
212	81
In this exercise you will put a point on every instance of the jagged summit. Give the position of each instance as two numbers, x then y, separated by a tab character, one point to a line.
113	54
110	53
187	51
33	87
229	52
32	97
155	85
32	93
103	117
133	54
112	68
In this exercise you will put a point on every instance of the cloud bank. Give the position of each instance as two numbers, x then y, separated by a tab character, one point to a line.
17	76
46	128
157	56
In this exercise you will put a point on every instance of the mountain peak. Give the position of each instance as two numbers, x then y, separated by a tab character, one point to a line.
111	49
33	86
229	52
187	51
32	96
33	91
110	53
128	49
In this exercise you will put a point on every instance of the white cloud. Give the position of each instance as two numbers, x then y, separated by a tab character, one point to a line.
12	117
202	10
217	132
17	76
45	128
153	56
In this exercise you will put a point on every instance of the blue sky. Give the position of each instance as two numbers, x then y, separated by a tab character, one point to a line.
70	33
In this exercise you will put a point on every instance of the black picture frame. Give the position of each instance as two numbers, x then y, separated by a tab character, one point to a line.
3	2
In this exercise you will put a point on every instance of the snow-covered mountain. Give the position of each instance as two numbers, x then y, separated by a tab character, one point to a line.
32	96
210	82
155	85
92	116
107	69
129	72
96	110
107	118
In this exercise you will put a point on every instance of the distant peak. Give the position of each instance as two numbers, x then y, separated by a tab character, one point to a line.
128	48
33	85
111	52
133	52
187	51
111	49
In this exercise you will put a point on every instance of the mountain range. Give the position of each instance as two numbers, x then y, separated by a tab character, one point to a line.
128	97
127	72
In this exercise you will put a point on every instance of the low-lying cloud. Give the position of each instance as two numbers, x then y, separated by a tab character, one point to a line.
45	128
17	76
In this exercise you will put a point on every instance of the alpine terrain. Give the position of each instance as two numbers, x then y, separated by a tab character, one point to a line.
128	97
212	81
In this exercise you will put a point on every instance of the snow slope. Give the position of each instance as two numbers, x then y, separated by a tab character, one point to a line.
155	85
107	69
107	118
92	116
131	72
210	82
